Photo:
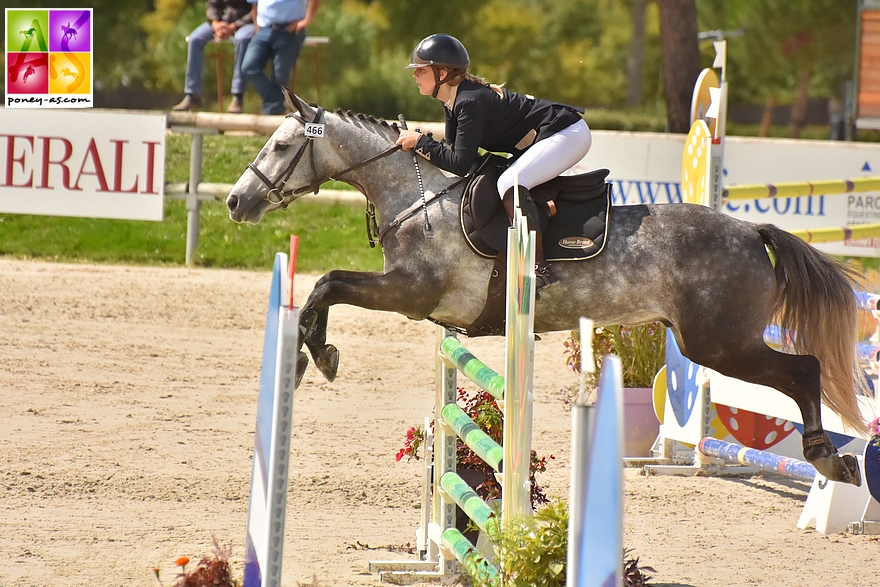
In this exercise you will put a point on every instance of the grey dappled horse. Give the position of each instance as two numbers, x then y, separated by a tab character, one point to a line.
705	275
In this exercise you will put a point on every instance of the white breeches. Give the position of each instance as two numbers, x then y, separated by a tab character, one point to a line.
548	158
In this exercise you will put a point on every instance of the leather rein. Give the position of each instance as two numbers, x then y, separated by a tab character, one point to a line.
278	195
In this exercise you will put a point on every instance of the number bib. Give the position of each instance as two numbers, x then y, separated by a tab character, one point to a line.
314	129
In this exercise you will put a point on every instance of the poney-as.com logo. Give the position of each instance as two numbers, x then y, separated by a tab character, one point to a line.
48	58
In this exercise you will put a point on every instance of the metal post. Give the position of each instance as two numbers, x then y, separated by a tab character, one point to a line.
193	198
582	422
193	206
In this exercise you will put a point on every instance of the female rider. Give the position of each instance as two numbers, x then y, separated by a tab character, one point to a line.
545	138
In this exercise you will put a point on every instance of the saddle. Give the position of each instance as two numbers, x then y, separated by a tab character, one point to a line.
573	212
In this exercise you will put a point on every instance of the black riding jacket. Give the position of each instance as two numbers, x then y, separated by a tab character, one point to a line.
507	123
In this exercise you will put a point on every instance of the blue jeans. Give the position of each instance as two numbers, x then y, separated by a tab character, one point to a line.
195	58
282	48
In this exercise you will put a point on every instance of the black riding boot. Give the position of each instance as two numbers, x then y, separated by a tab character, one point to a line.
530	210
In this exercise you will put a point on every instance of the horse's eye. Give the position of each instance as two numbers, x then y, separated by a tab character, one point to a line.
281	146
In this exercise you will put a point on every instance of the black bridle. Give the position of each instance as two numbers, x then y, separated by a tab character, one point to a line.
277	195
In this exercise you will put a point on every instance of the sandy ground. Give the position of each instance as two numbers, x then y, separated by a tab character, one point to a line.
129	399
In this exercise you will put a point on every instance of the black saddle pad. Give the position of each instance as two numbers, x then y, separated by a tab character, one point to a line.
576	231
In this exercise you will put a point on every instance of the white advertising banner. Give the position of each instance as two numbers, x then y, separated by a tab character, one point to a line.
646	168
82	163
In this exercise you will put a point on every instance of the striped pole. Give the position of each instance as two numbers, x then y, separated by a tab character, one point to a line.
801	188
838	233
468	500
765	461
471	434
473	368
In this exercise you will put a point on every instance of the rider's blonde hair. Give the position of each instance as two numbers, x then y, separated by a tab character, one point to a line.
473	78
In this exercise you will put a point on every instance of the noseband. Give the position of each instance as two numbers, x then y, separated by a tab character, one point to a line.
277	195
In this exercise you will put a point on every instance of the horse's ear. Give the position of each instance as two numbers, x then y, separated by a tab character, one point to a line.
296	103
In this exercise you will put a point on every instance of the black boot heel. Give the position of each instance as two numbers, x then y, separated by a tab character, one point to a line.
546	279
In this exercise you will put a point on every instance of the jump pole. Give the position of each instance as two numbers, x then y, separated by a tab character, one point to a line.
758	459
799	189
814	188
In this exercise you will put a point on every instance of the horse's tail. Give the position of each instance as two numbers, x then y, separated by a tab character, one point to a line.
816	303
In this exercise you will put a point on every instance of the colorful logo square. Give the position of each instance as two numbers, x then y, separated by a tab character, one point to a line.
28	73
49	58
27	30
70	30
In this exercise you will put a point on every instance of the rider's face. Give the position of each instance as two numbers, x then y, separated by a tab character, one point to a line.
424	77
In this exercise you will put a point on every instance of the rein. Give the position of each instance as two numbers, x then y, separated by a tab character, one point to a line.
412	211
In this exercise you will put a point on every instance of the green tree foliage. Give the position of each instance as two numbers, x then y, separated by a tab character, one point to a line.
571	50
789	51
166	28
576	51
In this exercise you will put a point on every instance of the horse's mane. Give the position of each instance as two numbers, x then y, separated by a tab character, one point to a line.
383	125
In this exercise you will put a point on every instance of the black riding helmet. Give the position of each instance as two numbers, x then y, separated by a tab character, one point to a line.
441	51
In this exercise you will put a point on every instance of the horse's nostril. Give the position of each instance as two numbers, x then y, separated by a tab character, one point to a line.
232	203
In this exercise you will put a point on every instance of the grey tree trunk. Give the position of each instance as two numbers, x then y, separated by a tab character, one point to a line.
636	57
799	108
681	59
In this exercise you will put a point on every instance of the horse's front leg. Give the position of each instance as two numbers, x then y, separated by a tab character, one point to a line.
394	291
821	452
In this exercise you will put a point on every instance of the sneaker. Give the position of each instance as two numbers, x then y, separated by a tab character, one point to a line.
189	102
546	279
236	105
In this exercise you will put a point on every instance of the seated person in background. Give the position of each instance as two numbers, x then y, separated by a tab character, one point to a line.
281	31
227	18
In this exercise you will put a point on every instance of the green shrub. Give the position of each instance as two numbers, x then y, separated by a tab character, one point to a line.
533	551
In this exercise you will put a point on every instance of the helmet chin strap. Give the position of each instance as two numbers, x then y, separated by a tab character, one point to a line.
450	76
437	81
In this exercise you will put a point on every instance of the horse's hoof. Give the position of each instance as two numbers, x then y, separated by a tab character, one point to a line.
307	319
840	468
853	465
327	361
302	361
819	451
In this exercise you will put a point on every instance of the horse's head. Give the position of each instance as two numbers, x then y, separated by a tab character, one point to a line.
285	167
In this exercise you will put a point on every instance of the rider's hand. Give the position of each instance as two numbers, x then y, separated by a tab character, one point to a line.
408	139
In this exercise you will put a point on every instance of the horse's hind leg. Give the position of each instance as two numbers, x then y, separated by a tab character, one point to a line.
798	377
